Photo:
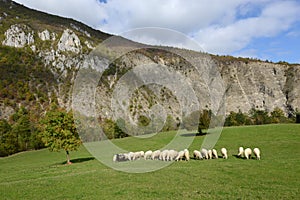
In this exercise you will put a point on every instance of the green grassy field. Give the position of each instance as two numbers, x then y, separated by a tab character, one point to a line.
42	174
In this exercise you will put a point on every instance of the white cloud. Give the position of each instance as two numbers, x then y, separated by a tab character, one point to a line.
184	16
247	53
221	27
89	12
275	18
161	36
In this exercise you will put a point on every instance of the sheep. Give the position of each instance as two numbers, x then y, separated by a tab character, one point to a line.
155	154
209	153
180	155
129	155
197	155
115	157
215	154
171	155
120	157
148	154
163	155
138	155
241	152
204	153
248	153
224	153
256	152
186	154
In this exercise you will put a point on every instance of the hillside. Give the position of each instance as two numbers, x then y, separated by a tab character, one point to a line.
41	54
32	175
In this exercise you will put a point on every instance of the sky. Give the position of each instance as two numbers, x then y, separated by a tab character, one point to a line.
262	29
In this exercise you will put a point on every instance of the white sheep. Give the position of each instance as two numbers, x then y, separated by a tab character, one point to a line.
148	154
209	153
224	153
163	155
248	153
115	157
204	153
256	152
186	154
129	155
171	155
241	152
197	155
215	154
155	154
180	156
137	155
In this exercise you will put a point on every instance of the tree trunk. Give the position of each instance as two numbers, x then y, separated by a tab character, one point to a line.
68	157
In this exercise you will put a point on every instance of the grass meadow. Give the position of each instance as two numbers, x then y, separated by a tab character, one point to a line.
43	174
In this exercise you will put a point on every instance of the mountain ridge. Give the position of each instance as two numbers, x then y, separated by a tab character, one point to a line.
58	46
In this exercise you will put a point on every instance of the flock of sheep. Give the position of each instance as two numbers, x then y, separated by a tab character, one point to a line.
173	155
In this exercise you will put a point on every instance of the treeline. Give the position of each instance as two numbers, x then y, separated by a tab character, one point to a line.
22	131
258	117
19	133
201	120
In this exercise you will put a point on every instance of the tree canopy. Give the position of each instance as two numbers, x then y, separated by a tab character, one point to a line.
59	131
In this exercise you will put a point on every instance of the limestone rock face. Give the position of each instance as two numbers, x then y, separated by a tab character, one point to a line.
255	85
18	35
292	88
69	41
247	85
44	35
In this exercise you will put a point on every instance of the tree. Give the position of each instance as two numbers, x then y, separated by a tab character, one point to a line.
22	128
111	129
231	119
259	116
170	124
237	119
8	141
59	132
277	116
191	122
205	117
197	120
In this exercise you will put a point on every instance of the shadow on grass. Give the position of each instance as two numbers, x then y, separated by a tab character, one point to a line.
239	157
235	155
193	134
244	158
78	160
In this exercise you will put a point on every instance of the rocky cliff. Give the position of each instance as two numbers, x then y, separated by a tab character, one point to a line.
61	47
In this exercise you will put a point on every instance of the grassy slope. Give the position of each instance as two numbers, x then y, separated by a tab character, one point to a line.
41	174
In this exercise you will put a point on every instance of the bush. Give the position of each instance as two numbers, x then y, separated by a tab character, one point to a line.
170	124
111	129
256	117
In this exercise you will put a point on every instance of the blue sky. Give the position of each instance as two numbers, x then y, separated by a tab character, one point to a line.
263	29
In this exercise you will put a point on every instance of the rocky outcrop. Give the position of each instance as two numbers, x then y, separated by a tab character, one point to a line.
254	85
292	88
44	35
69	41
6	111
18	35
